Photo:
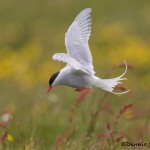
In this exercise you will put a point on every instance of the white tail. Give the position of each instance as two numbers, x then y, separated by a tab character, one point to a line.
109	84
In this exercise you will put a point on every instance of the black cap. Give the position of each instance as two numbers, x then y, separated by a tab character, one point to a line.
53	77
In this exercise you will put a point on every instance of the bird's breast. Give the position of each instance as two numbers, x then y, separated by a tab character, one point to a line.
75	80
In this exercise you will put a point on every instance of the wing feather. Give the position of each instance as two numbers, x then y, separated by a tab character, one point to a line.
70	61
76	40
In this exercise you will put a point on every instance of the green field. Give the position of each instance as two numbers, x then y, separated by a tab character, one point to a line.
31	32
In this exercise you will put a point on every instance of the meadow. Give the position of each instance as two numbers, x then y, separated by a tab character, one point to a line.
31	32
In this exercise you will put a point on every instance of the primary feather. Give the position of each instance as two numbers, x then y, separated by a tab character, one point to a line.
76	39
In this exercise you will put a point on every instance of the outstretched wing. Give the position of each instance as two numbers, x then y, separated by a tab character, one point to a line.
70	61
76	40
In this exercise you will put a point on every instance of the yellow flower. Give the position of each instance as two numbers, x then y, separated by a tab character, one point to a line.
9	137
129	114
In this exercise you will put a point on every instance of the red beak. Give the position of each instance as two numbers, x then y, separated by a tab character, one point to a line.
49	89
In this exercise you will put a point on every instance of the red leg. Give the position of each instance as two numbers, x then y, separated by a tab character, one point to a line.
82	89
82	94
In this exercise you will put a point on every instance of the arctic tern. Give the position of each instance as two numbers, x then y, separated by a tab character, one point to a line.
79	71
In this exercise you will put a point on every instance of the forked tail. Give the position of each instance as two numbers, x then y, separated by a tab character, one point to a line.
109	84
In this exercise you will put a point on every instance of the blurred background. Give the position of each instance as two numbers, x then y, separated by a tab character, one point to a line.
32	31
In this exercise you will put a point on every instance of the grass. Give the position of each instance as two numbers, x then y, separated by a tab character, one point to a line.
31	31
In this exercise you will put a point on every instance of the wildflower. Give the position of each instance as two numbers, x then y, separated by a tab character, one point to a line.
6	118
121	137
124	108
3	137
59	141
109	133
129	114
108	126
9	138
3	125
120	87
106	136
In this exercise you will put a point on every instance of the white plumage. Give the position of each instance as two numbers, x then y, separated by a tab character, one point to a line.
70	61
76	39
79	71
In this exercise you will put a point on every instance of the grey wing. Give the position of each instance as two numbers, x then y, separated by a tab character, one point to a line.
76	40
71	62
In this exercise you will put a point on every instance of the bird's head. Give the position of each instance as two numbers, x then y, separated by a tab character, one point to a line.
51	81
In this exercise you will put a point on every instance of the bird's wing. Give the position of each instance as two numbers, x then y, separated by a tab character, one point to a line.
70	61
76	40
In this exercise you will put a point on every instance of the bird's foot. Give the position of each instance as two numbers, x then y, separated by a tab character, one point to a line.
82	89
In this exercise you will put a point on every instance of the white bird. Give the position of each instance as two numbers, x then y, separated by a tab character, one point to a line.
79	72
